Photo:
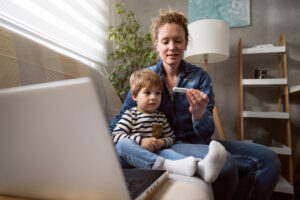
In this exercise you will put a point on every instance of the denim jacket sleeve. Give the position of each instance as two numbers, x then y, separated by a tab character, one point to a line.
204	128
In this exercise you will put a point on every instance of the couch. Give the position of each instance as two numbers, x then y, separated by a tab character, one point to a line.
24	61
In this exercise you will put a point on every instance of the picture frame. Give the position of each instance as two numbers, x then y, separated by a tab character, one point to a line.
235	12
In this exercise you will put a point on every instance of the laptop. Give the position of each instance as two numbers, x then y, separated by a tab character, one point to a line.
55	144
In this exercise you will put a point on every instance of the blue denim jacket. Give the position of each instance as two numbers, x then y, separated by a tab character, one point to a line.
177	111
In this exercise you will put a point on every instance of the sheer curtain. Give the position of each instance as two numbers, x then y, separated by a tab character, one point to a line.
73	27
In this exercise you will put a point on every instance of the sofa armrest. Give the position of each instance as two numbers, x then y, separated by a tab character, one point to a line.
183	187
196	181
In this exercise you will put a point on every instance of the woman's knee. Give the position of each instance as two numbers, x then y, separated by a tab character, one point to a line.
273	158
271	161
266	157
226	183
229	170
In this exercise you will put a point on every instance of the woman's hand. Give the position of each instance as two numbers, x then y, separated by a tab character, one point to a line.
198	102
152	144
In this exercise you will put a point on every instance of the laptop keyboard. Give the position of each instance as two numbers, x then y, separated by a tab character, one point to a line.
138	180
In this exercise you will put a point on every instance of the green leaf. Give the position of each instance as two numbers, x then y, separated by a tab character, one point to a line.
133	49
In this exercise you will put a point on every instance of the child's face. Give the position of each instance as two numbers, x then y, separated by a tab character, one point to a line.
148	99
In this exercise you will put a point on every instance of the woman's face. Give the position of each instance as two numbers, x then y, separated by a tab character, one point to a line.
171	44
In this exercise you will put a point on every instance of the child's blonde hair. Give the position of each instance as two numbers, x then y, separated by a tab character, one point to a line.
144	78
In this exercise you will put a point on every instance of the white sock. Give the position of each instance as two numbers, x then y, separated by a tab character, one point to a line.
186	166
209	168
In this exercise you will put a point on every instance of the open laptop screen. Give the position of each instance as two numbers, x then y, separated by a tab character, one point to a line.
55	144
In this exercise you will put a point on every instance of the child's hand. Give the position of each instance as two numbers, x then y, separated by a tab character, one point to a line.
151	144
161	143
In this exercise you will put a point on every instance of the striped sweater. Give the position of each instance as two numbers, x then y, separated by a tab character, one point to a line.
136	125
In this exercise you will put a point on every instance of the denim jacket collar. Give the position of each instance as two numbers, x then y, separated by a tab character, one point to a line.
184	69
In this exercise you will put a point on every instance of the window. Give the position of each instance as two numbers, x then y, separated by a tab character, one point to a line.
73	27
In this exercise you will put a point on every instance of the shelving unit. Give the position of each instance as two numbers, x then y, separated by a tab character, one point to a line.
264	50
269	115
264	82
284	186
295	89
284	148
278	147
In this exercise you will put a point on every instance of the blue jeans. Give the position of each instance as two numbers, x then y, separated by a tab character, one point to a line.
131	154
251	171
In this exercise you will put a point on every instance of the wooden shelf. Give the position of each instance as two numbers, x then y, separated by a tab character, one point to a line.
265	82
264	50
278	147
284	186
270	115
282	147
295	89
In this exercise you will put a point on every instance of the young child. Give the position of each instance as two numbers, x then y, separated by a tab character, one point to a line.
143	135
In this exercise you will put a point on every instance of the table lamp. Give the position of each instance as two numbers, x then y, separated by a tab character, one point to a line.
209	43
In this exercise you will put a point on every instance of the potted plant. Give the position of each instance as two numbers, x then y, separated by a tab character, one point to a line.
133	50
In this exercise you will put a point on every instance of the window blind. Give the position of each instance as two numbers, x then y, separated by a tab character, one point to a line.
76	27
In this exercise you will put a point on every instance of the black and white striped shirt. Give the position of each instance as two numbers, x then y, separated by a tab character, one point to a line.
136	125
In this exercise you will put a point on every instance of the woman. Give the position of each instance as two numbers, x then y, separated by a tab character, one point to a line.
251	171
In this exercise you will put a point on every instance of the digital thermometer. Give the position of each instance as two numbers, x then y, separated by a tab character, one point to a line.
180	90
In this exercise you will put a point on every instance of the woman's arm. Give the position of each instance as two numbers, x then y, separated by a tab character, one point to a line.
201	107
128	103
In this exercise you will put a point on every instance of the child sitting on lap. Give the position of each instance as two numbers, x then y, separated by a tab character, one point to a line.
143	136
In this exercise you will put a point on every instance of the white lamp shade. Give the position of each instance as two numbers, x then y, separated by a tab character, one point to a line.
208	37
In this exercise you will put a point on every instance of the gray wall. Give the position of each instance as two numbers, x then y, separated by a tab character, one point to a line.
269	19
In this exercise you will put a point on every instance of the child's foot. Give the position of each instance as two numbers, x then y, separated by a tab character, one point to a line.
209	168
186	166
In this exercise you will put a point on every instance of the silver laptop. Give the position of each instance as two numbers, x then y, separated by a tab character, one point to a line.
55	144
